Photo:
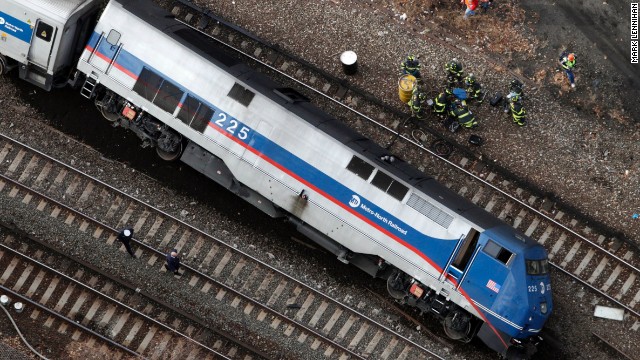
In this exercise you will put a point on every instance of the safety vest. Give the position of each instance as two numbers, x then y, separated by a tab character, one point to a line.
415	103
567	64
518	111
440	104
471	4
474	90
465	117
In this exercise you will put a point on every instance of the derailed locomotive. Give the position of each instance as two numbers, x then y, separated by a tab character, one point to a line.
181	93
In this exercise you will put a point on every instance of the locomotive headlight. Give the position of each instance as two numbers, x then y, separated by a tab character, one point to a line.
543	307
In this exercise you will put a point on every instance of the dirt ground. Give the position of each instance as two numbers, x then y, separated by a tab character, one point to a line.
530	35
599	33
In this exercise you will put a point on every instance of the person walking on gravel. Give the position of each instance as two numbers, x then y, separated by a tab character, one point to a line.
125	238
568	63
173	262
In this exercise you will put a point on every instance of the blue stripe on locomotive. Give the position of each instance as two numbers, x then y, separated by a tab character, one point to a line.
438	250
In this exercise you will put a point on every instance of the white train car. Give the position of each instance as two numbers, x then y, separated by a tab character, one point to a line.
43	38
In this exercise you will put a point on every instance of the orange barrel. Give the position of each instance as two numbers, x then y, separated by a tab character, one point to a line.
406	85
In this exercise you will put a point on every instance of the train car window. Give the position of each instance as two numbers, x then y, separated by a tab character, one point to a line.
168	97
397	190
498	252
114	37
188	109
382	181
44	31
202	117
360	167
148	84
241	94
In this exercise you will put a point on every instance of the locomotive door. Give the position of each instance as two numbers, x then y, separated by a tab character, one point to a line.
105	51
42	44
461	259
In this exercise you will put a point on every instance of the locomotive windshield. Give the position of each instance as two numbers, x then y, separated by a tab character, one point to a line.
537	267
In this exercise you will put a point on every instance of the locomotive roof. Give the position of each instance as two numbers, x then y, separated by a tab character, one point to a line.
299	105
59	10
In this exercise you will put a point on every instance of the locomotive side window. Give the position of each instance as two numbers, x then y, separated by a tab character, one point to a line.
386	183
44	31
148	84
397	190
188	109
168	97
498	252
381	181
202	117
360	167
240	94
114	37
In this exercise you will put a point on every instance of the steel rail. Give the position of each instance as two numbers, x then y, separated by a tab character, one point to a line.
62	317
184	265
109	298
198	231
636	313
115	280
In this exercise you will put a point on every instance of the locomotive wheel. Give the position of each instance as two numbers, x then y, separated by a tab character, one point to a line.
169	156
110	116
395	285
458	328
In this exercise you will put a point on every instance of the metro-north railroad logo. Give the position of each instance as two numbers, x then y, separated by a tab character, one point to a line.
1	21
355	201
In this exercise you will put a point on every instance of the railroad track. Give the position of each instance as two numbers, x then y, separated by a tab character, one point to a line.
608	265
233	279
82	302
